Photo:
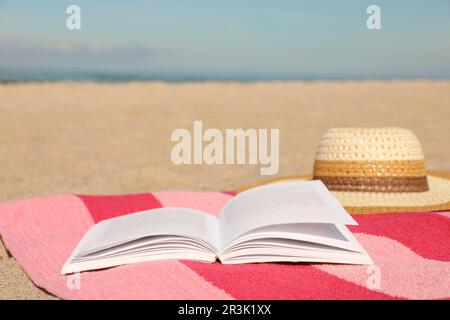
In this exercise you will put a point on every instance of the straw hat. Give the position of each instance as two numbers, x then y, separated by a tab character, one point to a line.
374	170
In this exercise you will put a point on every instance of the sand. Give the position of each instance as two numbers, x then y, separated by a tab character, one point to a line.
115	138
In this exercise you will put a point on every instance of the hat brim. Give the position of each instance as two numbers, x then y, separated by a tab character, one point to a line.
437	198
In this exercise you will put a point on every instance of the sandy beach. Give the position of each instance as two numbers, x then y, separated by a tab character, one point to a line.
88	138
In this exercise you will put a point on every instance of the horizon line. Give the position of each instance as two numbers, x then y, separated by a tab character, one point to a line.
8	75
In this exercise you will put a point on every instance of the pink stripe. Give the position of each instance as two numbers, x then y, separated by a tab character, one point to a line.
444	214
41	233
148	280
211	202
402	272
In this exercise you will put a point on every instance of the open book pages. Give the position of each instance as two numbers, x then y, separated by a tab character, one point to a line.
288	221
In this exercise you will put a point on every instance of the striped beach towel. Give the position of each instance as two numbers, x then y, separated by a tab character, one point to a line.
411	255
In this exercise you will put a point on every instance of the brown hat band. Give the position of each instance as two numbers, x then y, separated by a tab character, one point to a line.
364	168
375	184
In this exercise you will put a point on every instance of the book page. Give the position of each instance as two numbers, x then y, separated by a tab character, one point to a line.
280	203
144	224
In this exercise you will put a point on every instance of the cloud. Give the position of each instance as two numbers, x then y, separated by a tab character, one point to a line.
61	54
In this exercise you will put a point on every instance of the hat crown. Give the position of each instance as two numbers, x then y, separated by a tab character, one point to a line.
369	144
371	160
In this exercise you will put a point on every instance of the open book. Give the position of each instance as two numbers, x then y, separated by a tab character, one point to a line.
285	221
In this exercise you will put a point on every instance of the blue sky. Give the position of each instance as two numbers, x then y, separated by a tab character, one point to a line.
285	38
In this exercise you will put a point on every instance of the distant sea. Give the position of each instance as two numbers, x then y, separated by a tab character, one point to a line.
11	76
